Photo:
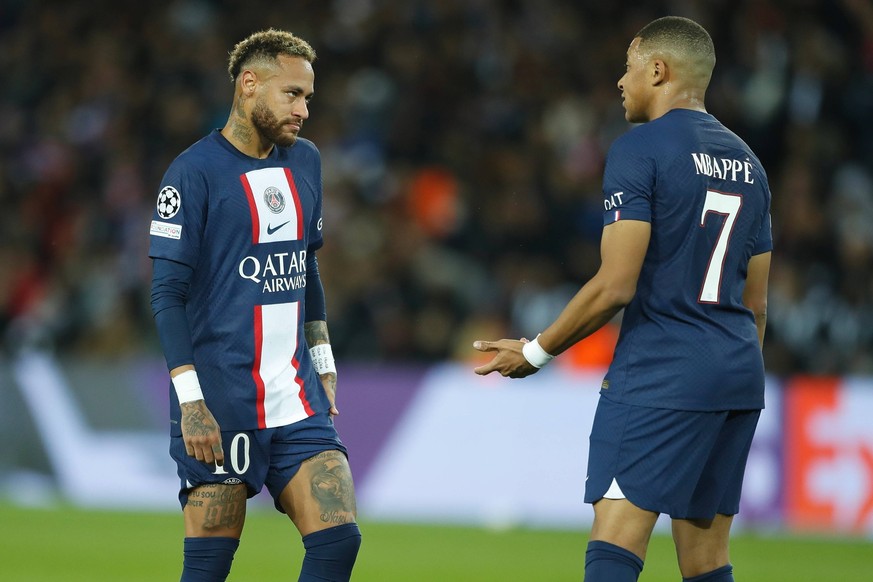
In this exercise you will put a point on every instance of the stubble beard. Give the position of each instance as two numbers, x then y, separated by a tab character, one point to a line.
269	127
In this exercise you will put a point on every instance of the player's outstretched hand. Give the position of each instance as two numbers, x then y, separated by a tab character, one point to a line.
201	433
508	360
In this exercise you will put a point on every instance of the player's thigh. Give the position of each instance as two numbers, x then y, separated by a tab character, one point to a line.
321	494
702	545
620	522
215	510
213	497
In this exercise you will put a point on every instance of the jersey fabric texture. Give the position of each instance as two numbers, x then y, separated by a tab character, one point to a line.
687	342
245	226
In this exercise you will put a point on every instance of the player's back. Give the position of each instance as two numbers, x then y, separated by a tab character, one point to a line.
687	340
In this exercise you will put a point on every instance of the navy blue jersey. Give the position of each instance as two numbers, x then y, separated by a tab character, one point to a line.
245	226
687	341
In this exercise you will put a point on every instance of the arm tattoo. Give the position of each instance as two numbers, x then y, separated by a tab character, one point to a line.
316	333
331	485
223	505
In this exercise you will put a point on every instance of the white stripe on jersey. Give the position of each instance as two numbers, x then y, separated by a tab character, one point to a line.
282	400
274	196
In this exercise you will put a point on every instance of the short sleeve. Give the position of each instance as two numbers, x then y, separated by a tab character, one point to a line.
764	242
628	182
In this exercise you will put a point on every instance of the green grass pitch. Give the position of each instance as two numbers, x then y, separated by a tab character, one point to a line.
70	545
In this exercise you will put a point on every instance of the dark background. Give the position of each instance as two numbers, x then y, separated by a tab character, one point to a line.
462	142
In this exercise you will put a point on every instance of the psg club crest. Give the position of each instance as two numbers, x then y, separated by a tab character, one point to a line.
274	199
169	202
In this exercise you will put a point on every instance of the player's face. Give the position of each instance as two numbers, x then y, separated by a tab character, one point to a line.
283	105
633	85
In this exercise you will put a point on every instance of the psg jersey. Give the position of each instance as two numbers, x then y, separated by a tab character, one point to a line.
687	341
245	227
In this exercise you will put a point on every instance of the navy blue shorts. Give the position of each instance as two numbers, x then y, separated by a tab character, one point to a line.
270	456
686	464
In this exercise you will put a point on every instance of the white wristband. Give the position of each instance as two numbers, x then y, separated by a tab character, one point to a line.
187	387
535	355
322	359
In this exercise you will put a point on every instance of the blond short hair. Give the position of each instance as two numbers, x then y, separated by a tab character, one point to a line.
264	47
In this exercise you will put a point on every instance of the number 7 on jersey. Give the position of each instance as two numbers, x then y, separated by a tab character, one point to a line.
729	206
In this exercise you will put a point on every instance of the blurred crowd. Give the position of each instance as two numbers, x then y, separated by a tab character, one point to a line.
463	143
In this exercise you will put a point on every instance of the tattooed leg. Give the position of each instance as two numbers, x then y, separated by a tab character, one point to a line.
215	510
331	485
321	494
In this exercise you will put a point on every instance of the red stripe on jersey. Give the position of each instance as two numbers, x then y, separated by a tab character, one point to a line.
302	394
256	366
253	209
297	205
617	215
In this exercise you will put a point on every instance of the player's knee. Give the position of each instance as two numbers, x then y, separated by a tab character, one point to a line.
331	553
722	574
702	545
699	563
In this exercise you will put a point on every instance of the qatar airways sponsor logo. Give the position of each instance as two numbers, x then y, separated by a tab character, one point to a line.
276	272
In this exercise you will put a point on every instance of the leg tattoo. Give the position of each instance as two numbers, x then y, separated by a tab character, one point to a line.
331	485
223	506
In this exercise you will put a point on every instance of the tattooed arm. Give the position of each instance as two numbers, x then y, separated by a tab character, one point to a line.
200	431
316	334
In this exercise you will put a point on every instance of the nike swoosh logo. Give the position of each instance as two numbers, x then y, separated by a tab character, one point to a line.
271	230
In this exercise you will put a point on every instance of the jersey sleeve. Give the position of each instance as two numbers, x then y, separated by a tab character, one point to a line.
628	182
170	283
315	303
179	216
316	225
764	241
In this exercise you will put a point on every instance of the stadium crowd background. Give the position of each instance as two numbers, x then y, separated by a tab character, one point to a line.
463	143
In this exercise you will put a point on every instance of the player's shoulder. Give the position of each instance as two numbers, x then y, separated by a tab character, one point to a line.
200	155
632	142
307	145
651	136
304	150
676	131
637	149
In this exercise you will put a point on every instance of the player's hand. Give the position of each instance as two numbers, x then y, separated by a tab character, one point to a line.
508	360
329	382
201	433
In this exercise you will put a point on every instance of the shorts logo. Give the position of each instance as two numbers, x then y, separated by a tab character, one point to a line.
274	199
169	202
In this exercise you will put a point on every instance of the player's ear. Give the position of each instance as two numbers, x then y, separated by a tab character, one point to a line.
248	80
660	72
